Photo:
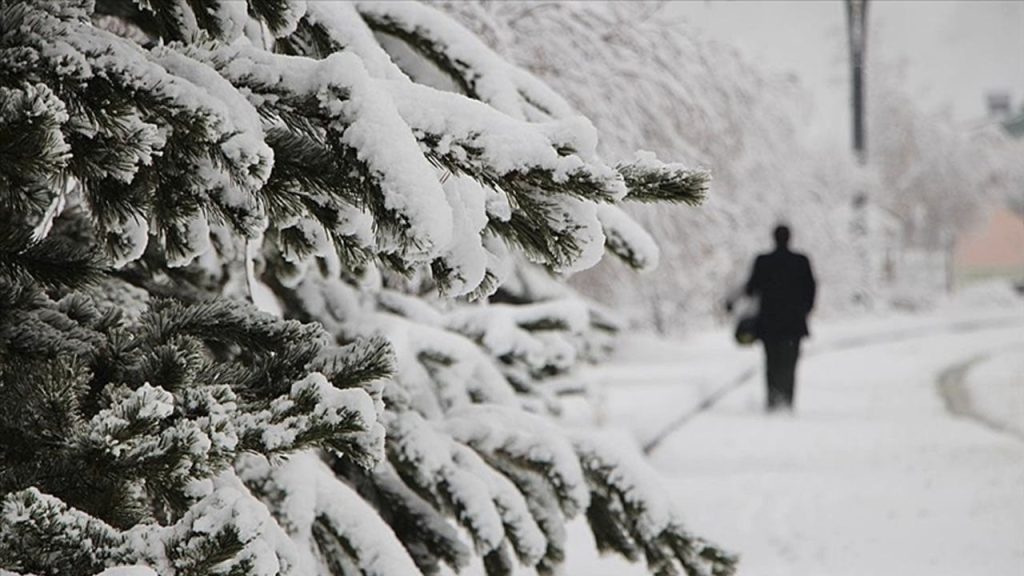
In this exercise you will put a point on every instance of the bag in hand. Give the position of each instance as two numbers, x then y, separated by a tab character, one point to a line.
745	309
746	330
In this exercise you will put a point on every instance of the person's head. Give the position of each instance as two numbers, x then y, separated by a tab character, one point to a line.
781	234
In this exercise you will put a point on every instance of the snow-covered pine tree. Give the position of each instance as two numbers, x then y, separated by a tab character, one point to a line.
170	168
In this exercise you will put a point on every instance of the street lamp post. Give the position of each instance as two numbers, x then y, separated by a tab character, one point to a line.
856	27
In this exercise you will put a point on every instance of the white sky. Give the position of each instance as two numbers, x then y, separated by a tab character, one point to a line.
949	53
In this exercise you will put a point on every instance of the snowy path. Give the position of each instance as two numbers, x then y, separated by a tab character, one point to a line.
753	371
872	476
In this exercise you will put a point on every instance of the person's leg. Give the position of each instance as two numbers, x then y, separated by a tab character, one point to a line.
773	365
790	353
796	360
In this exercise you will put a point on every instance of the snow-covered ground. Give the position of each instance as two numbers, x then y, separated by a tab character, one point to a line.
872	475
995	389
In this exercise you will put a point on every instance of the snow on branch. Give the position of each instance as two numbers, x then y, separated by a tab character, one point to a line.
362	125
482	74
228	528
470	136
630	514
440	369
426	460
485	76
627	239
316	413
524	440
424	530
329	27
138	453
132	119
338	529
531	342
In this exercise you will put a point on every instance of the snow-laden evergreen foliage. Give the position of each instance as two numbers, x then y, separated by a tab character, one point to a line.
261	309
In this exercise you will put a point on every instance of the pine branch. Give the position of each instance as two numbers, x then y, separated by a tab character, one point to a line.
649	181
357	363
420	40
305	167
278	15
479	72
624	517
424	531
527	230
74	543
52	262
625	238
309	39
228	322
469	151
33	151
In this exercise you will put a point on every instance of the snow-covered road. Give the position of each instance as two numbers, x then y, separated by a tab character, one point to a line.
872	475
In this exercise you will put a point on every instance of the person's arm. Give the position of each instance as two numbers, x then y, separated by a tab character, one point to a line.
754	283
811	286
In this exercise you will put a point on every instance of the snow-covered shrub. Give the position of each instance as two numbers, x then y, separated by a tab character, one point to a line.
270	306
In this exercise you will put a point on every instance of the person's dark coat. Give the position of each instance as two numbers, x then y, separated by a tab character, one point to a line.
785	285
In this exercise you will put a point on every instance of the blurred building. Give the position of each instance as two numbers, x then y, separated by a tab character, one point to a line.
995	249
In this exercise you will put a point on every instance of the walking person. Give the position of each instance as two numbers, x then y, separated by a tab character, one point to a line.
784	283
